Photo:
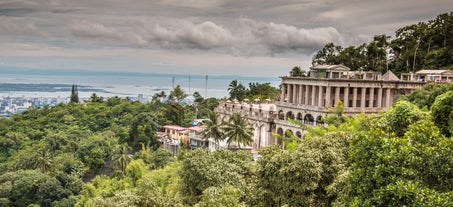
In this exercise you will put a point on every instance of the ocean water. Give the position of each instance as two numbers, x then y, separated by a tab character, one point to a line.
128	85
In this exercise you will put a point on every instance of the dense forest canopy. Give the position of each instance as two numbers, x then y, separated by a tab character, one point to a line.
425	45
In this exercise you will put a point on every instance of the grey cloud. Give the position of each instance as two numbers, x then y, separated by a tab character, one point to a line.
94	31
249	37
280	38
9	26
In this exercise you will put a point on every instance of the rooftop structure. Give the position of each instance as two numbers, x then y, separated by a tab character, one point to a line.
429	76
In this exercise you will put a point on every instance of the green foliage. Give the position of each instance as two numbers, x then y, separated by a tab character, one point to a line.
302	177
225	196
413	170
33	187
415	47
335	116
143	130
398	118
202	169
161	157
236	90
426	96
442	111
177	94
296	71
213	129
74	98
135	170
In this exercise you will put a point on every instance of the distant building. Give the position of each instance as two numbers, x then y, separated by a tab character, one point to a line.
429	76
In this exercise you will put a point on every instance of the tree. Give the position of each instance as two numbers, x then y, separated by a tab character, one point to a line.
121	158
213	129
413	170
198	97
224	196
238	130
442	111
202	169
178	94
95	98
302	177
143	130
296	71
74	94
236	90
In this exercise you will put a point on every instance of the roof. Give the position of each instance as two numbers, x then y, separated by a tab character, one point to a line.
196	128
390	76
330	67
436	72
174	127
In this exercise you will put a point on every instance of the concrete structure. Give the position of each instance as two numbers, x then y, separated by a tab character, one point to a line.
308	99
260	114
429	76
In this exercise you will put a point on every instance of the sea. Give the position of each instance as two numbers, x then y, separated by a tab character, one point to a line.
57	84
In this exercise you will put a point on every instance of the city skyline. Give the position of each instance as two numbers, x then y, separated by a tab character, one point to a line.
217	37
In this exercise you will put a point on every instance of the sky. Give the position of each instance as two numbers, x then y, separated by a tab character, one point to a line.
263	38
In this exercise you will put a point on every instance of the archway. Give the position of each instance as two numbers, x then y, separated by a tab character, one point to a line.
309	119
280	115
289	115
319	120
289	133
298	134
280	131
299	116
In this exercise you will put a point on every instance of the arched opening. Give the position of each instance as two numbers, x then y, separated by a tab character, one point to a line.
319	120
299	116
309	119
281	115
289	133
280	132
298	134
289	115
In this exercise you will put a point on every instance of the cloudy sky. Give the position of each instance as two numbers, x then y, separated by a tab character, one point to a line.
215	37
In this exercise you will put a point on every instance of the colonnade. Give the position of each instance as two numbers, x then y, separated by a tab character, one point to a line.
328	96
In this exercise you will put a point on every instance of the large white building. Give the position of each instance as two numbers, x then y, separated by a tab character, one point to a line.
307	99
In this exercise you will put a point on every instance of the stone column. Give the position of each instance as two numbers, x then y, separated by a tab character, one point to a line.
354	97
371	100
388	97
282	98
328	95
379	98
362	97
337	95
346	97
313	95
307	93
301	94
321	96
290	93
295	92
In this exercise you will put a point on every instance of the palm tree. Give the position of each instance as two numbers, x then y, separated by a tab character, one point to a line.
238	130
213	129
121	157
43	160
236	90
